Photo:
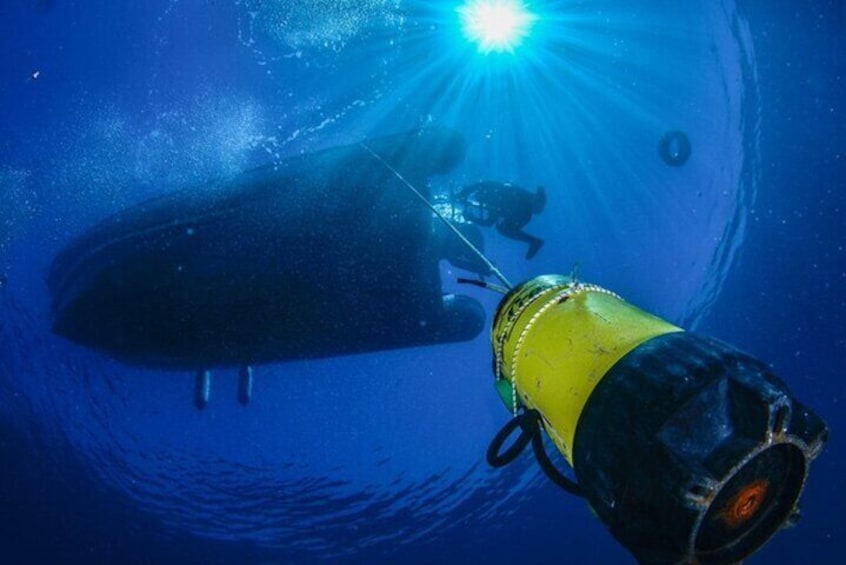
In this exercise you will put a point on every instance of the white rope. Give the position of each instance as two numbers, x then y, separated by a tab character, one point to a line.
449	224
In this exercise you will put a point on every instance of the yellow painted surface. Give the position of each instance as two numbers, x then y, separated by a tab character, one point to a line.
558	343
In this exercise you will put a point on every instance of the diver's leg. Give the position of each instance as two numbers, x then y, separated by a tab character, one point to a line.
518	234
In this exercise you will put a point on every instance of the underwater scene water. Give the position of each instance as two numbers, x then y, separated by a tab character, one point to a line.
692	159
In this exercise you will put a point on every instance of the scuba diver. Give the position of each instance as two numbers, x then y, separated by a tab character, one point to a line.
506	206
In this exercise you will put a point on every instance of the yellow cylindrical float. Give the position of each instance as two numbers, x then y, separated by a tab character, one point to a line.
689	450
554	339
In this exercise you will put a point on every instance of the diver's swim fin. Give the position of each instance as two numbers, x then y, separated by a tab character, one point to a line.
534	247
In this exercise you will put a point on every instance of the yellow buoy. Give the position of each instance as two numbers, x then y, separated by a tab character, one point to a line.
689	450
554	339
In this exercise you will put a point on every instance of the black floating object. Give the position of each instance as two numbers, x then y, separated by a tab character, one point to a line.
674	148
325	254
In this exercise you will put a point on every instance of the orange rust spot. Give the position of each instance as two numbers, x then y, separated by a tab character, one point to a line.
745	504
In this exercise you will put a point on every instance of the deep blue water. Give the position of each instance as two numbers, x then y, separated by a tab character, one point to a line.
380	458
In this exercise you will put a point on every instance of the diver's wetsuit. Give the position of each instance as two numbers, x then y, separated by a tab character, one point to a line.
506	206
